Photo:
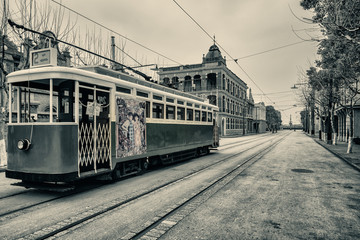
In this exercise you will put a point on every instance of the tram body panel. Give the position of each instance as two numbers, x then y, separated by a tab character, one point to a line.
163	136
162	139
53	149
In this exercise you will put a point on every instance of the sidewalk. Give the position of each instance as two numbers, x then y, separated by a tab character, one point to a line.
340	149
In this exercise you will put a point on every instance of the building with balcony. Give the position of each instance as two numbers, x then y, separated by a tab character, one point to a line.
213	81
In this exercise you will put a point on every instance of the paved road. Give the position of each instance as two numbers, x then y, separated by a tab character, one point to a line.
297	191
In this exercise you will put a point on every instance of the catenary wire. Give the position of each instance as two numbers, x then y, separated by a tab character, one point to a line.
103	26
270	50
235	60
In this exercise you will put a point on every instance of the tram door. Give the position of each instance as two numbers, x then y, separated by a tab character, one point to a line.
94	129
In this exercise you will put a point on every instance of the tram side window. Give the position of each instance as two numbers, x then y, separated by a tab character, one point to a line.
203	116
170	112
158	110
147	109
197	115
180	113
189	114
210	117
66	102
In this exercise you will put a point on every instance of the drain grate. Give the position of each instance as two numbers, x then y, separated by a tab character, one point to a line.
301	170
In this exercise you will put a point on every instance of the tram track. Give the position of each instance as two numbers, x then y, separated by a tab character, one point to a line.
31	206
14	194
89	214
230	145
5	216
16	212
23	208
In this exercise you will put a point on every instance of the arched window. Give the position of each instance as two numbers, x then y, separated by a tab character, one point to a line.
187	84
166	81
211	81
224	104
223	82
175	82
197	82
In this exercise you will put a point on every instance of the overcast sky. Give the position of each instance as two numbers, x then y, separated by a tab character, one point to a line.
241	27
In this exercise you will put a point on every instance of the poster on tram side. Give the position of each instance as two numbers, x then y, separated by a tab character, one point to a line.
130	127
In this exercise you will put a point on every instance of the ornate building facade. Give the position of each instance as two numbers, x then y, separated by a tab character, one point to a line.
214	81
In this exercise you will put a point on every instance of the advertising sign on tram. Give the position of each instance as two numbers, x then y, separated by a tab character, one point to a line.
130	127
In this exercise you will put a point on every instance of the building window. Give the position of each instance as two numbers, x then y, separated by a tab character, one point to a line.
187	84
223	82
211	81
175	82
197	83
166	81
224	104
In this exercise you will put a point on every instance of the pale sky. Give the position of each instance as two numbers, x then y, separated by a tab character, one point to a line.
241	27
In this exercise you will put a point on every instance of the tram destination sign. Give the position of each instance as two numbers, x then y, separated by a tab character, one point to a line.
43	57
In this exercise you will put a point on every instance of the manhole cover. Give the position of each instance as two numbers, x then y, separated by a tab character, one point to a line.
300	170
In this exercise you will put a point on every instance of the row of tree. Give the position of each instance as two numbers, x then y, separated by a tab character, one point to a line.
334	79
273	118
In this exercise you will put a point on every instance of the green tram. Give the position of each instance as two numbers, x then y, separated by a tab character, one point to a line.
99	122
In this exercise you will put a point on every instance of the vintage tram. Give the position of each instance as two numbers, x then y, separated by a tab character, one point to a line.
99	122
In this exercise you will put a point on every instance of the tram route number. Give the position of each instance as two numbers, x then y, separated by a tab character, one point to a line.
41	58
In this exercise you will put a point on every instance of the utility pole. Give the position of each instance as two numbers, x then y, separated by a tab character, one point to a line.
3	155
113	51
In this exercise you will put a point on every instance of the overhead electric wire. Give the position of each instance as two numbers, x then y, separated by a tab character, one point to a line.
103	26
13	24
221	48
270	50
273	93
128	55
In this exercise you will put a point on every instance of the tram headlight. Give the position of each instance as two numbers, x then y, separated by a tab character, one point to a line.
23	144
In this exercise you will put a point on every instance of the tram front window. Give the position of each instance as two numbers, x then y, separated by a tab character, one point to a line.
31	101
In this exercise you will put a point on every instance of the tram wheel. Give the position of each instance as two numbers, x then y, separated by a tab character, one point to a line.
116	174
145	164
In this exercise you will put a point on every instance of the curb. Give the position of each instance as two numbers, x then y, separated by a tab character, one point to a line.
2	168
339	156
